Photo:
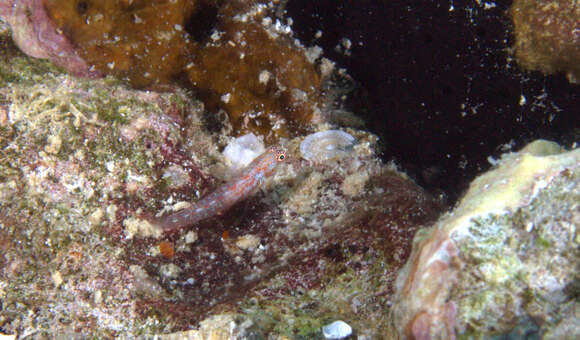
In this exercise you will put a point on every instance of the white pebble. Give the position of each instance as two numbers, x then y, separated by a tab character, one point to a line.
243	150
337	330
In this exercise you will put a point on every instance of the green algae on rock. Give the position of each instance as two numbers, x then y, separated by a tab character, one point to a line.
507	254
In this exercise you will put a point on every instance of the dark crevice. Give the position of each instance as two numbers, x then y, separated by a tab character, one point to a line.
202	22
440	88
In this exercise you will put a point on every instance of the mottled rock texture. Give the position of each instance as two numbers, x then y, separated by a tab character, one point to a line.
505	260
237	56
547	36
86	163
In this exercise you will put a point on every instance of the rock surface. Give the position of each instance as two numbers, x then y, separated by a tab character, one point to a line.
87	163
507	255
547	37
236	55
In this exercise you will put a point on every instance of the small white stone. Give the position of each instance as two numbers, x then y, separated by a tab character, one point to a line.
264	77
110	165
190	237
530	226
243	150
337	330
57	279
175	176
226	97
248	242
170	270
98	298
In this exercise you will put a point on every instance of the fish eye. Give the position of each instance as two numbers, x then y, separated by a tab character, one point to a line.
281	156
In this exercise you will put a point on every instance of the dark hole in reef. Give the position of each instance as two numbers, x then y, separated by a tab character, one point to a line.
213	120
481	32
202	22
447	90
334	252
82	7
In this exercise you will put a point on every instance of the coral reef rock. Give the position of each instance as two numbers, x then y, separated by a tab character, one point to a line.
546	36
505	260
237	56
87	163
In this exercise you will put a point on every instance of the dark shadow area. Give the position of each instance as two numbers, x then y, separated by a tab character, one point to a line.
202	22
443	92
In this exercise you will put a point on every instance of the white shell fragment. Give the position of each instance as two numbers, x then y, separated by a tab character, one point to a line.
242	150
327	145
337	330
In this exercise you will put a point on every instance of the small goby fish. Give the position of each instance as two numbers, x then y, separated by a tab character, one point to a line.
228	194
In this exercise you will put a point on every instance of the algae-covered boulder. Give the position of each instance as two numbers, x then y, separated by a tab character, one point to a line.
505	260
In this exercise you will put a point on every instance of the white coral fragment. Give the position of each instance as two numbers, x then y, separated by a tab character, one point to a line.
242	150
